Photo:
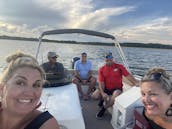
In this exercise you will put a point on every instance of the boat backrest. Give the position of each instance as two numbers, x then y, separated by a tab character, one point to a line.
74	60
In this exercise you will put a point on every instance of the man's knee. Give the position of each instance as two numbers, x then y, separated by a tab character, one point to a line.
115	94
96	94
93	80
75	80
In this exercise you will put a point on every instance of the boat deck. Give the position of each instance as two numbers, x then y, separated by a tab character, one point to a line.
89	110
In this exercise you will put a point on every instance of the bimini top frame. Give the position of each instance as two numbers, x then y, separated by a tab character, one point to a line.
81	31
86	32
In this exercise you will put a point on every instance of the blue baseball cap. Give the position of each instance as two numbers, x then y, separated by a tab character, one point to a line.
109	55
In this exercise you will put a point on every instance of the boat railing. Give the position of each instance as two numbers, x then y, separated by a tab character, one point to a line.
122	55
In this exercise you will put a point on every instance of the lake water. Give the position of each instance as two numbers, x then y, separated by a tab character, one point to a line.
139	59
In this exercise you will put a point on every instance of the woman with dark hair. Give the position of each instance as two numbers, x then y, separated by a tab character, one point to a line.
156	90
20	91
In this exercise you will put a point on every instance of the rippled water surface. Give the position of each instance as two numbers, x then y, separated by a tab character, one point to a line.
139	59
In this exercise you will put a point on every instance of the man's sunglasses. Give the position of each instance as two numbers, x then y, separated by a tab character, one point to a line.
54	57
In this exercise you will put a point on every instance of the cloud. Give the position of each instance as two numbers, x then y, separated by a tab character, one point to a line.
21	30
30	18
71	10
49	14
80	13
98	18
28	12
154	31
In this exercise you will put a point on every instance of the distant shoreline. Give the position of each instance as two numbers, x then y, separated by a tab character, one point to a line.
125	44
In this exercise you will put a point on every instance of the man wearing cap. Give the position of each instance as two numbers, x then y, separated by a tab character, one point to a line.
83	75
110	83
53	67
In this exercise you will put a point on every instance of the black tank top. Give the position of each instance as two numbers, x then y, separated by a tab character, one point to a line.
39	120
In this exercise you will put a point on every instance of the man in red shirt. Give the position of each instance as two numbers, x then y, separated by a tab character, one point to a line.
110	83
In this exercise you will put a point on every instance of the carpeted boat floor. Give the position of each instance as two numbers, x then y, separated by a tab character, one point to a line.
89	109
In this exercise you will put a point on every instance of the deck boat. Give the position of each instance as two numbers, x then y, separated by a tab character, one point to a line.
62	99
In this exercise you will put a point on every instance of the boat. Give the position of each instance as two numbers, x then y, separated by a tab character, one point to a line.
62	99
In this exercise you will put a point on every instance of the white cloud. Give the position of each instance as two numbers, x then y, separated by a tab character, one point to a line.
99	17
53	14
21	30
80	13
76	14
70	8
155	31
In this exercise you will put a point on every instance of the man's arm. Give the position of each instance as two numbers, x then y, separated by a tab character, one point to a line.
60	68
76	70
77	75
45	67
59	71
90	73
101	88
133	80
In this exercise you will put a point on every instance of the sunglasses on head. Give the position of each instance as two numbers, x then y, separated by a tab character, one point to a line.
160	77
155	76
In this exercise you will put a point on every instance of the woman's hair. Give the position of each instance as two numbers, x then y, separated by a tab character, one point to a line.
160	76
19	60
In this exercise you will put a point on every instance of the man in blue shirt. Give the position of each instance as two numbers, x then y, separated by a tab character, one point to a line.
83	75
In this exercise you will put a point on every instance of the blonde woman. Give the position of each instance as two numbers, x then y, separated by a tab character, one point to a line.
20	90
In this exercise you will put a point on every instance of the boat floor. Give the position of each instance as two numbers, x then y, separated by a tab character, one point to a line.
89	109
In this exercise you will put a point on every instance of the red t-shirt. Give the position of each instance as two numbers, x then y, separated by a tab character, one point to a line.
112	75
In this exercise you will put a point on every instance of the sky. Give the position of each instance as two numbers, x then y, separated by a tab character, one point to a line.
145	21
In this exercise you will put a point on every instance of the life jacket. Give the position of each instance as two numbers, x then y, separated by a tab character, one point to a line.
139	119
142	122
0	106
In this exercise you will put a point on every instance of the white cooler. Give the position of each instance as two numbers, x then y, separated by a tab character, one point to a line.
63	103
123	109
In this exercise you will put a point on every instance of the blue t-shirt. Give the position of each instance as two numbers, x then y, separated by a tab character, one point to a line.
83	68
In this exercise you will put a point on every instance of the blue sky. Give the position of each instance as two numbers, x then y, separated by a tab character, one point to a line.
146	21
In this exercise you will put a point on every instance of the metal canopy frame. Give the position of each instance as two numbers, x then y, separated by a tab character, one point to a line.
81	31
86	32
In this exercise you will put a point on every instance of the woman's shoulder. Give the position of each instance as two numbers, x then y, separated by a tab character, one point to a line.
50	124
42	121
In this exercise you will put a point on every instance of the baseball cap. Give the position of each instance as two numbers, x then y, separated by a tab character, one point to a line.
109	55
84	53
52	54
